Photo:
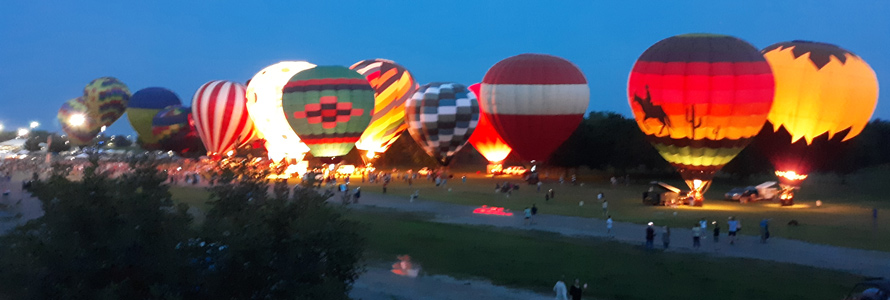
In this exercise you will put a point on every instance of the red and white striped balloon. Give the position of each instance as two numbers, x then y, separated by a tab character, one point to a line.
220	111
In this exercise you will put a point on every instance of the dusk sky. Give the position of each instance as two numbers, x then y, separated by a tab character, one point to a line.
49	50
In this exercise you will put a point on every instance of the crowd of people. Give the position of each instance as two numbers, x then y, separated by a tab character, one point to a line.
699	232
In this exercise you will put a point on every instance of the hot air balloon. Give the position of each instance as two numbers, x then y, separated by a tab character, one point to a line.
328	107
535	101
106	99
441	117
141	109
264	104
393	85
824	97
77	123
487	141
700	99
220	115
175	130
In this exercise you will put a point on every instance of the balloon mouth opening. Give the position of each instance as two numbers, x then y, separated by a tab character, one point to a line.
331	160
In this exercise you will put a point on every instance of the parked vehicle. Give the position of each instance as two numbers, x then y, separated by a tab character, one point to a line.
661	193
870	289
764	191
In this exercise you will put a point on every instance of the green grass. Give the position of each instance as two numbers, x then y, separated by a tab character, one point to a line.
531	259
844	219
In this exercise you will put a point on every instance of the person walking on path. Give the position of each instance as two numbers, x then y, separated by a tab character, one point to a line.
528	215
534	212
560	289
716	231
764	231
704	226
357	194
734	227
650	235
577	290
609	227
666	237
696	236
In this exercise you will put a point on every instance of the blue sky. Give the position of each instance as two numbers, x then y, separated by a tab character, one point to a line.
50	49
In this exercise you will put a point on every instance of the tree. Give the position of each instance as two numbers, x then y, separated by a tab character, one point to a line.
99	238
281	246
120	141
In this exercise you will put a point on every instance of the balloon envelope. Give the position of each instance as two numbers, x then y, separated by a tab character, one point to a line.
106	99
393	85
142	108
825	95
175	130
485	137
700	99
76	122
264	92
441	117
221	118
535	101
328	107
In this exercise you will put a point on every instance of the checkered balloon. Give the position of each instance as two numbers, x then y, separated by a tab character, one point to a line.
441	116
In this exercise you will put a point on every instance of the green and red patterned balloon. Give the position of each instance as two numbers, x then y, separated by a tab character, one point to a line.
328	107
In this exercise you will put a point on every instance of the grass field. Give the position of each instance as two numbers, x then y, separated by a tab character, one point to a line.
530	259
845	219
535	260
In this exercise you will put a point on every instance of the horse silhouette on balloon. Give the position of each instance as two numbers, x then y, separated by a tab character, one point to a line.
651	111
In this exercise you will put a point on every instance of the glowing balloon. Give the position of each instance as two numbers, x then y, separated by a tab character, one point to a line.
824	96
535	101
328	107
175	130
221	118
76	122
441	117
393	85
106	98
264	93
700	99
141	109
486	139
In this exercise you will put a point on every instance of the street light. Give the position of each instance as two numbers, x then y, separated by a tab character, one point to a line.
1	127
34	124
23	132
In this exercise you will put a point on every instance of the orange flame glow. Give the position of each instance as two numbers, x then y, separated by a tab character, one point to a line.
791	175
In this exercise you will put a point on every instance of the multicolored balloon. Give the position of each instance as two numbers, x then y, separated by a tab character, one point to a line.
441	118
264	93
221	118
535	101
175	130
106	98
825	95
485	137
393	85
143	106
76	122
328	107
700	99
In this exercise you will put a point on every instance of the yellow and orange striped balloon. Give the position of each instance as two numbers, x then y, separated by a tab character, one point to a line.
393	85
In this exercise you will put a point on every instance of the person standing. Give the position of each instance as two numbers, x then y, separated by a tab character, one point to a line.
696	236
602	198
528	215
560	289
609	227
576	291
534	212
704	226
666	237
734	227
716	231
764	231
357	194
539	184
650	235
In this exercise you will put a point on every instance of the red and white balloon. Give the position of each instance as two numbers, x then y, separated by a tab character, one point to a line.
221	118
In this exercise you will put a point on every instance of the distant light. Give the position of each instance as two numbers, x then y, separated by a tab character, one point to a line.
23	131
34	124
1	127
77	120
103	128
370	154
